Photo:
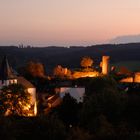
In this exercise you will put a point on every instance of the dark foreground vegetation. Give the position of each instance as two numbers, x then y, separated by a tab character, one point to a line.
107	113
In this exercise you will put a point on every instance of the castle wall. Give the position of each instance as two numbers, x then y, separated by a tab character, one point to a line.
137	77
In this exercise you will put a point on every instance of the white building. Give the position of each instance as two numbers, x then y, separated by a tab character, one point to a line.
8	77
29	87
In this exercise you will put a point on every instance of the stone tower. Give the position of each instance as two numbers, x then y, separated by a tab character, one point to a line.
105	65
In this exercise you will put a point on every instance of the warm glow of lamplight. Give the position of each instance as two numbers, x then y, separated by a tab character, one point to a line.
35	109
85	74
105	64
137	77
27	107
127	80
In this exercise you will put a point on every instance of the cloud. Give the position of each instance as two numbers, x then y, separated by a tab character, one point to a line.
125	39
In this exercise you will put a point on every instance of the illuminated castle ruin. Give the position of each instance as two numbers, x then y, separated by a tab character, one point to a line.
105	70
137	77
133	79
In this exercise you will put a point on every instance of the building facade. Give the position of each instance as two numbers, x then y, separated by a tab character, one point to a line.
8	77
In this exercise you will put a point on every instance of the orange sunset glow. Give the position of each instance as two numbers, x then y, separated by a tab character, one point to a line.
67	22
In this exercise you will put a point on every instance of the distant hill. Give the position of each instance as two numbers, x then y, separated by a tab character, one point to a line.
126	39
70	57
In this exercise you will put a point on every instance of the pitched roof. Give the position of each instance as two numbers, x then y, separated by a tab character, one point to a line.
24	82
5	70
54	100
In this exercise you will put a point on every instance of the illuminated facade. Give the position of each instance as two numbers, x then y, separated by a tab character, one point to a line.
137	77
132	79
78	74
127	80
105	65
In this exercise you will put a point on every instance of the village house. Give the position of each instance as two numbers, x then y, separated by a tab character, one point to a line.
8	77
75	92
56	99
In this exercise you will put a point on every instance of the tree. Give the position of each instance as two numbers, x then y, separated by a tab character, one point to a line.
68	110
104	128
35	69
14	100
78	133
86	62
